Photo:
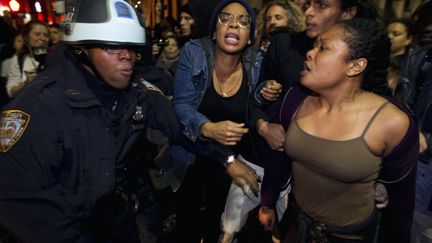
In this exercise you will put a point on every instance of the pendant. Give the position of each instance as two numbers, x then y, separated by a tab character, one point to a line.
225	95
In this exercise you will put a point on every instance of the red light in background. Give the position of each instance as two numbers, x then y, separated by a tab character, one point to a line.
40	17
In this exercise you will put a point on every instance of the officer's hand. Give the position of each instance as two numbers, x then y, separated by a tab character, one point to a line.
267	217
271	90
243	176
381	196
225	132
273	133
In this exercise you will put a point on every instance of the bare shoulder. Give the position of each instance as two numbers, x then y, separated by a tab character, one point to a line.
392	124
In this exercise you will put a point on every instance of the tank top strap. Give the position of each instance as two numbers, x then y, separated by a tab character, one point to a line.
373	118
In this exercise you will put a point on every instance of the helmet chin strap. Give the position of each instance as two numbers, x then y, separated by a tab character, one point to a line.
85	60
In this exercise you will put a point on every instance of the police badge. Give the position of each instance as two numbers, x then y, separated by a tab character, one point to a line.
12	125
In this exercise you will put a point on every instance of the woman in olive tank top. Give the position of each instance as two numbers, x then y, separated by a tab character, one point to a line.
346	135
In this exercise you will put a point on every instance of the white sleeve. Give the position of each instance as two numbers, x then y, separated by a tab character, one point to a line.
5	67
15	76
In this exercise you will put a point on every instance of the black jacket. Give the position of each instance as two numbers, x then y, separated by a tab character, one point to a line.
62	156
284	59
423	102
413	74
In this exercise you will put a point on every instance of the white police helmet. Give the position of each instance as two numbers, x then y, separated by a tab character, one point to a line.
108	22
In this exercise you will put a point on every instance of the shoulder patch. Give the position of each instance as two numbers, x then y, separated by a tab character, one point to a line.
12	126
151	87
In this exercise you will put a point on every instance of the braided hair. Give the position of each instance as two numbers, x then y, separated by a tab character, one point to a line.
368	39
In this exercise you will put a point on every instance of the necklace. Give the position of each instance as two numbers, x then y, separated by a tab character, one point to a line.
218	86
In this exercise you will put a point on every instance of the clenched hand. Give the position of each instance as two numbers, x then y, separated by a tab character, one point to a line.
271	90
225	132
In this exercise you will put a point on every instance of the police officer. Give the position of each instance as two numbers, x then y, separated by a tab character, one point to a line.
64	140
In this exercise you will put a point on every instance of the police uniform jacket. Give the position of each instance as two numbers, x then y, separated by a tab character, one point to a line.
62	150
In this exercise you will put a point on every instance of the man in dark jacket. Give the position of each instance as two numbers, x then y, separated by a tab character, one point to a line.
65	140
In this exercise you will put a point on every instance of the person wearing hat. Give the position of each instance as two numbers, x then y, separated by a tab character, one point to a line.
186	20
188	27
214	71
66	138
64	154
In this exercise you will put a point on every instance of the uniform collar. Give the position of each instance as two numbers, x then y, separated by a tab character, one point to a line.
83	89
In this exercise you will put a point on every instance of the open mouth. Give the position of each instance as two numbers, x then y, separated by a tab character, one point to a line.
310	26
127	71
305	70
305	67
232	36
232	39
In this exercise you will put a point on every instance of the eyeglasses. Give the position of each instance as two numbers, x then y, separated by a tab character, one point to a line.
117	49
243	21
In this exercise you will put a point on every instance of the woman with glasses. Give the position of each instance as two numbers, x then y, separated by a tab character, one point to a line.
211	91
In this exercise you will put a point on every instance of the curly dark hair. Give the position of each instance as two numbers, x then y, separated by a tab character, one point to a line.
366	9
368	39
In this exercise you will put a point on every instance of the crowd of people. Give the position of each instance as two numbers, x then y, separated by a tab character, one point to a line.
301	121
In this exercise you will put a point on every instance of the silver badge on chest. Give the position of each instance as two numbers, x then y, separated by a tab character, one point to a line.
138	116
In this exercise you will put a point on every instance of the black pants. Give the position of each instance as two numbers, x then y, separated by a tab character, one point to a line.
200	202
113	220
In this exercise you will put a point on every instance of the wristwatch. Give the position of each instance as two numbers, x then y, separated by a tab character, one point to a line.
230	160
